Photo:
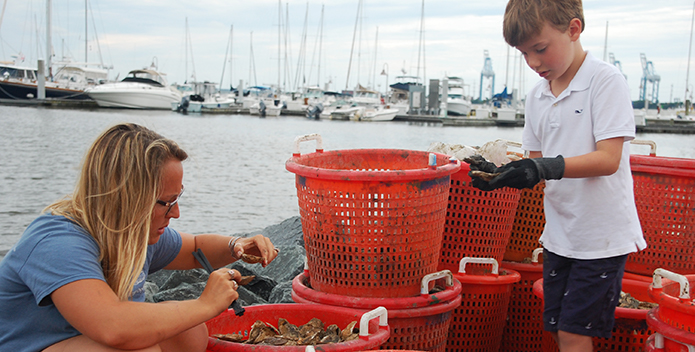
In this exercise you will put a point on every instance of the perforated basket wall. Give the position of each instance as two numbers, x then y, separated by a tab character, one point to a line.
665	198
524	329
478	325
478	223
528	224
372	219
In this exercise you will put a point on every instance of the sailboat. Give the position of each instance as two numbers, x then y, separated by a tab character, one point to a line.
66	79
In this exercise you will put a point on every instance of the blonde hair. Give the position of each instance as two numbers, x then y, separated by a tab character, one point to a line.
524	19
115	196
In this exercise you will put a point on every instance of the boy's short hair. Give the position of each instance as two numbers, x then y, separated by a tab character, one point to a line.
524	19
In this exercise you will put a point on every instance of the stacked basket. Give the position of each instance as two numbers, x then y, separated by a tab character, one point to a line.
524	329
372	221
665	197
674	318
478	325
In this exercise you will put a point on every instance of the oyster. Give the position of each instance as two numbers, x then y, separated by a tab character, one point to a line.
485	176
245	280
229	337
288	329
259	332
627	301
332	334
349	332
251	259
288	334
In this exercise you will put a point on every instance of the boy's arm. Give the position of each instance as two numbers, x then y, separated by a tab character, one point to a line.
603	161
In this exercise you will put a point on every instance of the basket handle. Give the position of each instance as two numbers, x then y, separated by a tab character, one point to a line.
466	260
651	144
682	280
366	317
424	285
308	137
535	254
515	145
659	343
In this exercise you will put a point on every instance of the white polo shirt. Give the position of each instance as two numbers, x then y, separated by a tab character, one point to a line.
593	217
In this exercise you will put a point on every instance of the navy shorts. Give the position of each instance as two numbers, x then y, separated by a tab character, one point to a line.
580	296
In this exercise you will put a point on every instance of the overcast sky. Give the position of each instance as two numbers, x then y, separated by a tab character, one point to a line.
456	34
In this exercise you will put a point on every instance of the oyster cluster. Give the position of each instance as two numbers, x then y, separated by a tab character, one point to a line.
288	334
627	301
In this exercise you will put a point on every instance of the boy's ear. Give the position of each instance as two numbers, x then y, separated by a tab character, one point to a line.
575	28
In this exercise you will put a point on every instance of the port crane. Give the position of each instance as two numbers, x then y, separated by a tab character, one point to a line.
487	73
616	63
649	77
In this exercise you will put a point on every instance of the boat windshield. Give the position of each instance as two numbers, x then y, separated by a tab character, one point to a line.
313	93
364	94
17	73
145	77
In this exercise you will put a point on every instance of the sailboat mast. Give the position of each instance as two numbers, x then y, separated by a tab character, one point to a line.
279	24
687	74
224	64
185	50
86	28
376	45
420	45
605	43
48	38
318	77
352	48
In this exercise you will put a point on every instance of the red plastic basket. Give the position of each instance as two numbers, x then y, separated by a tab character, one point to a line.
371	334
372	218
630	331
528	224
417	323
524	328
657	343
676	306
478	223
667	338
478	324
665	197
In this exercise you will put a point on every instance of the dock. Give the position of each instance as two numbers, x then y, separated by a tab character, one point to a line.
675	126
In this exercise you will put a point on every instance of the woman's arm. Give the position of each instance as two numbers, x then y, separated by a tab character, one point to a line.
93	308
216	249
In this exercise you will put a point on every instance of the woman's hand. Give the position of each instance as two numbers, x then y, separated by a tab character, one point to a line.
221	289
259	246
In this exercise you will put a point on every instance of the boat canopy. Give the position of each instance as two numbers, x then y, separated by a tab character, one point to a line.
146	76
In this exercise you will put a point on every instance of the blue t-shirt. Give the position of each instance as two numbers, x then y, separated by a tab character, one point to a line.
52	252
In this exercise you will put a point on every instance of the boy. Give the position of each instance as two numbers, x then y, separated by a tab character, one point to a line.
579	121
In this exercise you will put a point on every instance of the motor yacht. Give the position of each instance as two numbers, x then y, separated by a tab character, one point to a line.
140	89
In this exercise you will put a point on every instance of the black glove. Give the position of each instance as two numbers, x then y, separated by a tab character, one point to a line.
478	163
526	173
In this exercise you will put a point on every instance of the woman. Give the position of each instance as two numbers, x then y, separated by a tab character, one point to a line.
75	280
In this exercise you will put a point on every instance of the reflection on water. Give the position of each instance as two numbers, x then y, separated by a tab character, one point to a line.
235	178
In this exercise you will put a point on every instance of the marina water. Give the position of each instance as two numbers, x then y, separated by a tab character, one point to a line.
235	176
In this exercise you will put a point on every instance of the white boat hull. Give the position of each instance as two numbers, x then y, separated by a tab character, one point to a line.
458	107
134	97
379	115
